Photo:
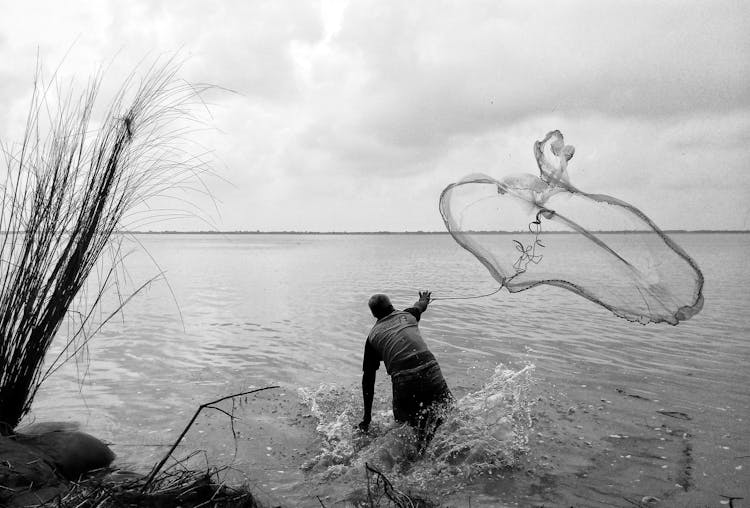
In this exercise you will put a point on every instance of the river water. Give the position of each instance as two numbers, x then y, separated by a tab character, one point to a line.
560	403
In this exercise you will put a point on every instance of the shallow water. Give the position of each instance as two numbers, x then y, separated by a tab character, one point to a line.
561	402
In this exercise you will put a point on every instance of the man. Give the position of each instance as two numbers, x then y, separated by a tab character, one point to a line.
419	390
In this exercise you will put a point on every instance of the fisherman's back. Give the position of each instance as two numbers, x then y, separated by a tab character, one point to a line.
397	340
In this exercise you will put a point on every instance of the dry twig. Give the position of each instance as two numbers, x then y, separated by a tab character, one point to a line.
161	463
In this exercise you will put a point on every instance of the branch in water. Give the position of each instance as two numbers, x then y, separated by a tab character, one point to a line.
158	467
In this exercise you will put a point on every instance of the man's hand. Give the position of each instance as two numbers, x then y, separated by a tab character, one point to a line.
364	425
424	300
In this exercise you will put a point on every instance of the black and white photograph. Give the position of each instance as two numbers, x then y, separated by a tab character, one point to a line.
364	254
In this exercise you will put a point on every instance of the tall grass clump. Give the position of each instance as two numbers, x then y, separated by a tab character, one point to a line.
70	186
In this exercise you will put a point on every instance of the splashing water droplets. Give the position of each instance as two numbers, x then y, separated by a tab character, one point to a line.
487	429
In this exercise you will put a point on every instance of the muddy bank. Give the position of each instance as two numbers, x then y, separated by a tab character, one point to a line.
53	464
39	462
585	451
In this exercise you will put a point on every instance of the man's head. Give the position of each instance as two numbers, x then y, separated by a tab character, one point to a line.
380	305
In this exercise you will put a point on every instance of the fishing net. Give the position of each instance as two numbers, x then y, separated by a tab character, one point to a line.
612	254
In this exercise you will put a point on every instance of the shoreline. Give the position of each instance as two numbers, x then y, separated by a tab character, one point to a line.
56	465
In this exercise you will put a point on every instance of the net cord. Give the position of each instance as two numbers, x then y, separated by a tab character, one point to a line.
437	298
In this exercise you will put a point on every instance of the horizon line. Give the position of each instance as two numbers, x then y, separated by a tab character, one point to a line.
408	232
405	232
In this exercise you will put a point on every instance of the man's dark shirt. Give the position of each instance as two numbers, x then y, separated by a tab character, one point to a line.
395	340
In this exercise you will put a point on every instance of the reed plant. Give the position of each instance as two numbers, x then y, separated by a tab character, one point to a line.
173	488
70	187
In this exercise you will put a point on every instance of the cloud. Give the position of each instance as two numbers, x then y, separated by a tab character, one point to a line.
397	84
354	115
631	58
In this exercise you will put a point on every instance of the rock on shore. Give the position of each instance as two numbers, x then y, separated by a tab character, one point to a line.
38	461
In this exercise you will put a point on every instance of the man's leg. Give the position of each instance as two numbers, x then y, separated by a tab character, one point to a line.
439	400
406	404
421	399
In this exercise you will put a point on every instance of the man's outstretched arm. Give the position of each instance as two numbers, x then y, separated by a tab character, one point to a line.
368	393
423	302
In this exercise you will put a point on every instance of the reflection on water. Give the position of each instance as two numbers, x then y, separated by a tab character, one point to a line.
245	311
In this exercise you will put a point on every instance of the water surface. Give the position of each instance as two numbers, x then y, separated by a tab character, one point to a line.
588	409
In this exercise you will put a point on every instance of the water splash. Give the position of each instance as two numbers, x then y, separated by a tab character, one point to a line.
487	429
335	410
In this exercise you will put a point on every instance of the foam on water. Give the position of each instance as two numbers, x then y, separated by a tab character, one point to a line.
487	429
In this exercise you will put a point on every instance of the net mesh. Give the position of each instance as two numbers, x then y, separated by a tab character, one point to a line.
522	228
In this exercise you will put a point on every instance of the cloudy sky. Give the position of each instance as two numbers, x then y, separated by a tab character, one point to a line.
354	115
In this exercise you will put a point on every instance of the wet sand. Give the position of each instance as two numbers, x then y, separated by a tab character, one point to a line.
584	452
